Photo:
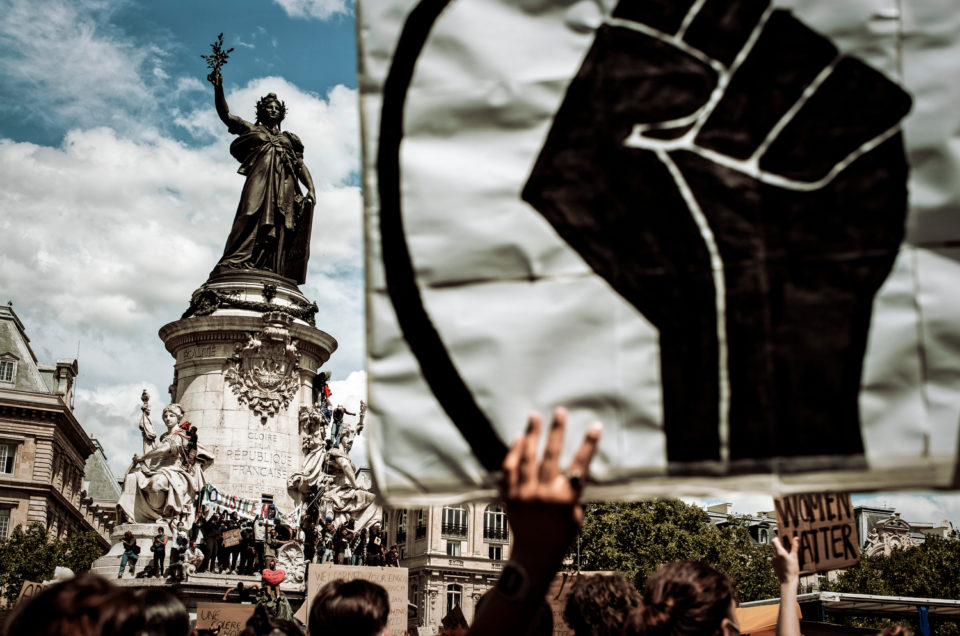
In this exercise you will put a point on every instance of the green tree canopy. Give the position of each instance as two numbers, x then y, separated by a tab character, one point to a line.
32	555
929	570
635	538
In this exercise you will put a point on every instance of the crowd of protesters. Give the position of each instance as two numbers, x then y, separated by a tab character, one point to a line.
682	598
206	546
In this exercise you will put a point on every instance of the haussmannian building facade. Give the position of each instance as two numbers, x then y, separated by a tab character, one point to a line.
454	554
43	448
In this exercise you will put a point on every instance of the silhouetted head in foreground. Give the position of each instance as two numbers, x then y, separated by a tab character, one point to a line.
349	608
687	598
600	604
86	605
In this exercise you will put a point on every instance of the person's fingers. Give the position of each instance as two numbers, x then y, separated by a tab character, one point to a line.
795	545
551	452
511	468
778	547
581	461
528	459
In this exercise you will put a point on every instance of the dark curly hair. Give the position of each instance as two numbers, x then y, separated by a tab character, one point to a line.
600	604
262	103
349	608
685	598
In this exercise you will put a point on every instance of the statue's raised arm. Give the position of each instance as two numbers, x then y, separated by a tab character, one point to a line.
271	229
219	99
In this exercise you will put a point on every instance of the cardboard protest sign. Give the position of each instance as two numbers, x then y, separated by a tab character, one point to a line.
394	580
29	589
231	538
232	616
826	527
700	223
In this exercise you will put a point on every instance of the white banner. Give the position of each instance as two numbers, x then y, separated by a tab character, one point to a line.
728	230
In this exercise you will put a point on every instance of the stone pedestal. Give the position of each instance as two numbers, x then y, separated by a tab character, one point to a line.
246	356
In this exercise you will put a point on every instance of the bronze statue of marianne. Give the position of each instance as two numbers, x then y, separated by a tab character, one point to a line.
271	230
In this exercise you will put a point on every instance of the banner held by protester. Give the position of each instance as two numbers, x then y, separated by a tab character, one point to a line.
686	222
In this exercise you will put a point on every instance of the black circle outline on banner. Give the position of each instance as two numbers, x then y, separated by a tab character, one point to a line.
418	330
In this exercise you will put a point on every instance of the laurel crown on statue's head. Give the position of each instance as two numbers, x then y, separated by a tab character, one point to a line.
266	99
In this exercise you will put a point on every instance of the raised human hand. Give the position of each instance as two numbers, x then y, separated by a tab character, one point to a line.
743	185
543	503
786	561
215	78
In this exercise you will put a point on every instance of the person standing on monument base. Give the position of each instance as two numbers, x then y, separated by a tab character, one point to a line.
210	527
259	539
271	230
223	554
159	549
309	536
328	532
375	549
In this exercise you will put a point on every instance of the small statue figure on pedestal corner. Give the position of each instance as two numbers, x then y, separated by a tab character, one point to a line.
271	230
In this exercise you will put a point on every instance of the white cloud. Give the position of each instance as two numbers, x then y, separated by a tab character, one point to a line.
321	9
61	63
111	414
920	507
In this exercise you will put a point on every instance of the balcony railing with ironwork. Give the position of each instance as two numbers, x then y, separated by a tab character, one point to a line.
421	532
496	534
453	529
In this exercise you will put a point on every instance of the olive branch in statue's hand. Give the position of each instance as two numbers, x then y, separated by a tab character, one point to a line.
217	60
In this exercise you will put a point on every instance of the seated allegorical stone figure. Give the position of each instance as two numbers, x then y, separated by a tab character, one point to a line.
164	482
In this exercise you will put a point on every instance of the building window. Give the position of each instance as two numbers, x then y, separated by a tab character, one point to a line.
7	454
8	370
453	548
495	523
496	553
454	595
421	524
402	526
454	521
4	522
764	537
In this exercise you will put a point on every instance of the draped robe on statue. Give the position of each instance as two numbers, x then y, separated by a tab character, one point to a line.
271	230
166	487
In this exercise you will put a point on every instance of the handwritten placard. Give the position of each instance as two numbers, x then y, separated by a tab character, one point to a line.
231	616
231	538
394	580
826	527
29	589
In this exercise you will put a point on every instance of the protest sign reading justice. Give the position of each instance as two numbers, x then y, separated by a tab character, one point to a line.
697	222
825	524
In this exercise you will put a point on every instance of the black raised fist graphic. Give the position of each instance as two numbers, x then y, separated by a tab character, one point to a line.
744	186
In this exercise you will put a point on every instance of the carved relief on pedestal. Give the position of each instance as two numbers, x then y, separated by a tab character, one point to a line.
264	371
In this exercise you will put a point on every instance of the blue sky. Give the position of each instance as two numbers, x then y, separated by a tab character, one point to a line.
117	189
